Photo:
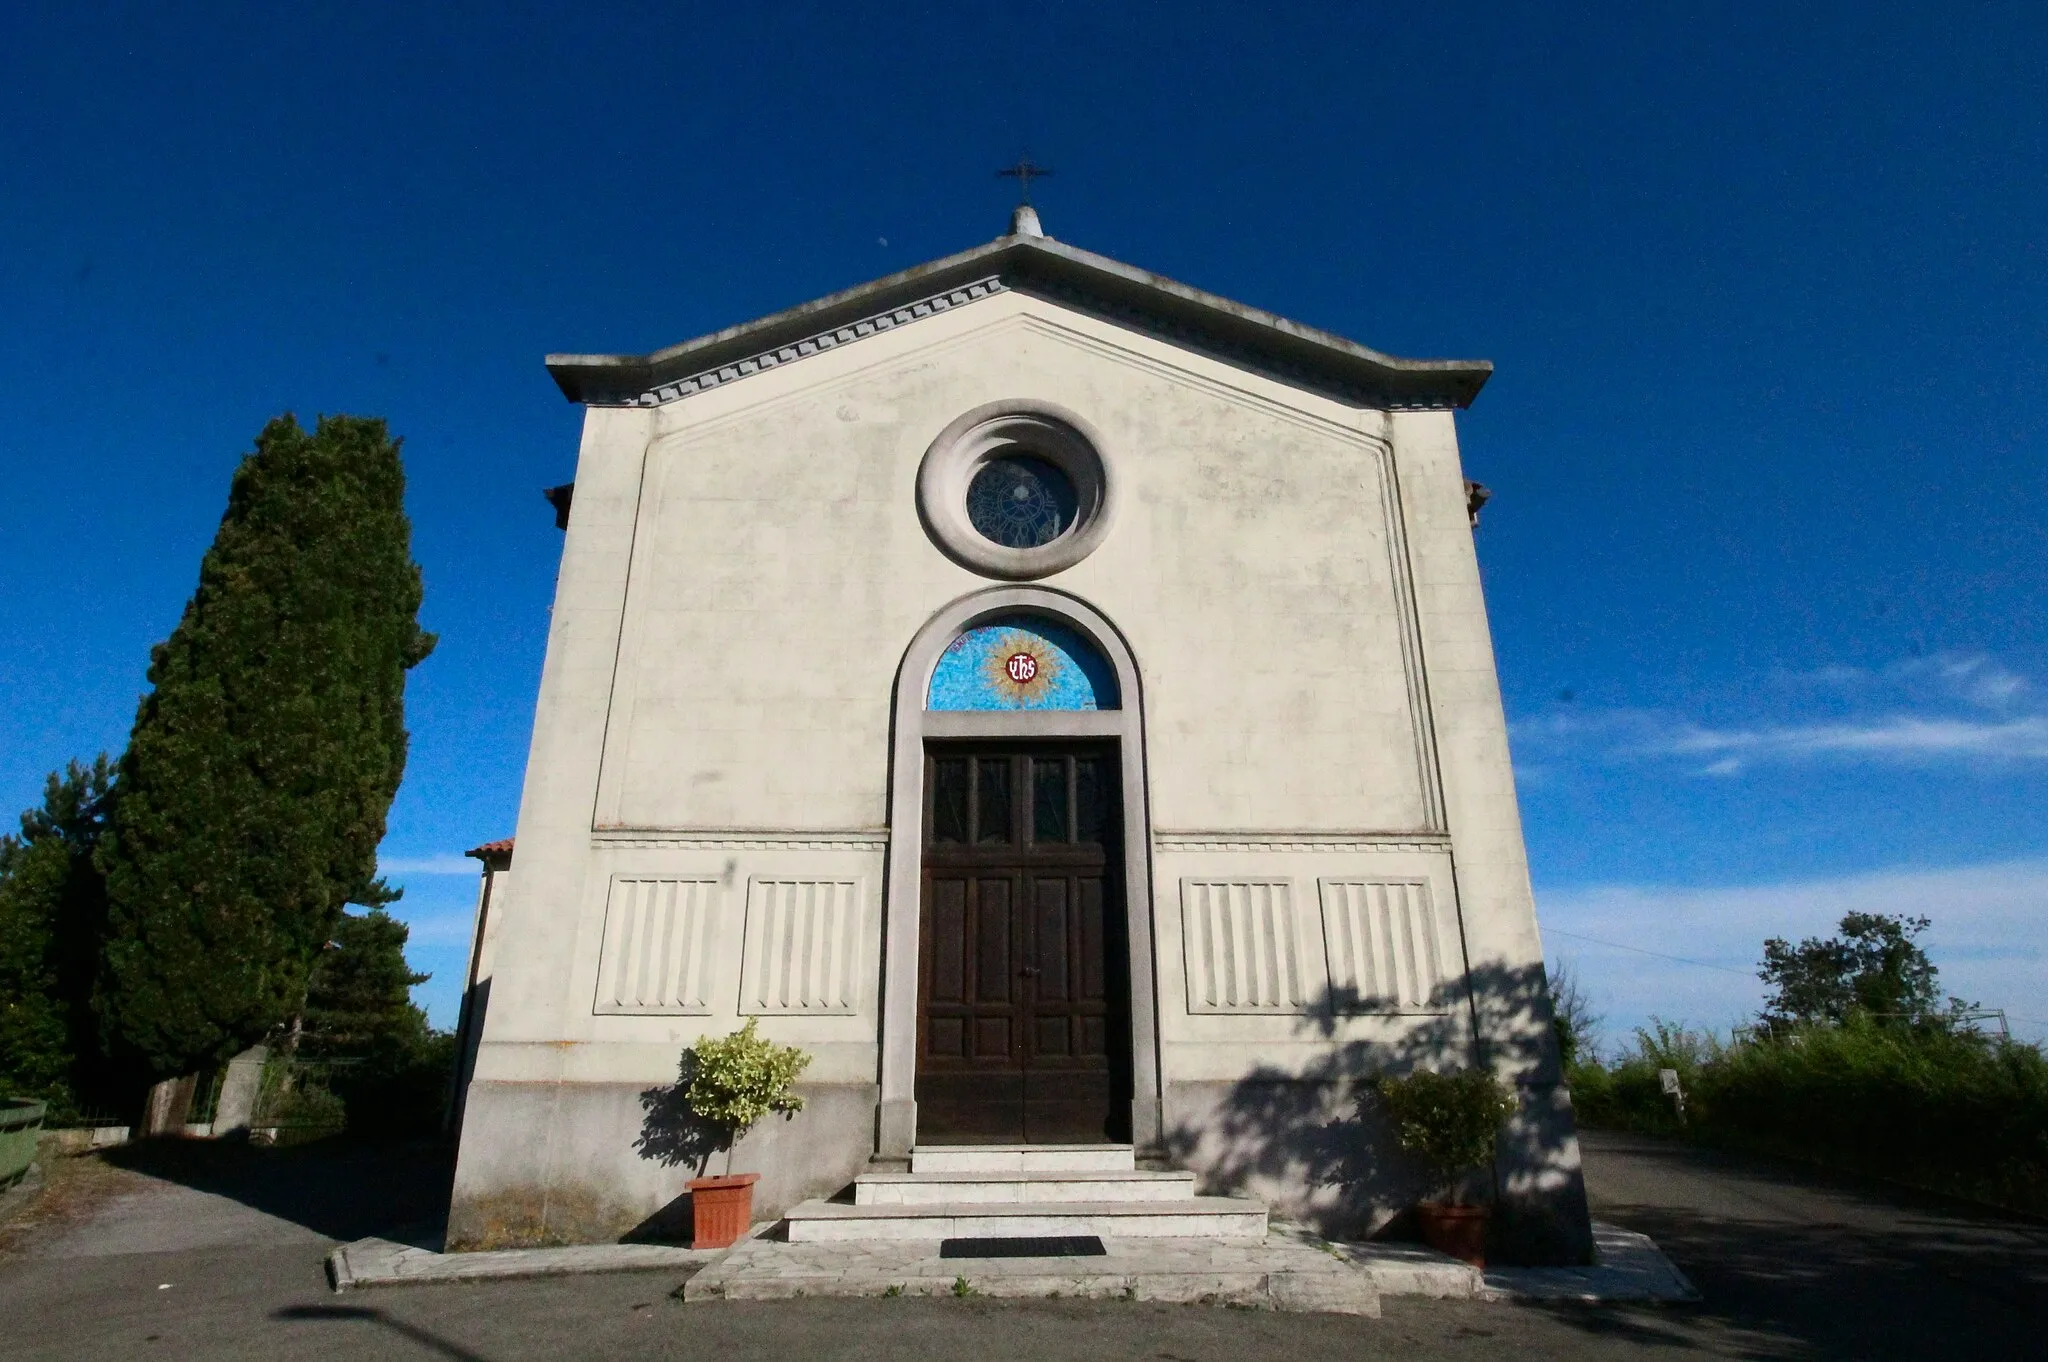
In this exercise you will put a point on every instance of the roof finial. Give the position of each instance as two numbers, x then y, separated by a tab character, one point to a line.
1024	219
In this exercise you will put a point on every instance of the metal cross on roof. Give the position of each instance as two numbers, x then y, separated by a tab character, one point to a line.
1023	173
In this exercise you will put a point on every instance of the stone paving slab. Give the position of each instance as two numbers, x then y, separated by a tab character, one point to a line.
1411	1270
1285	1271
381	1262
1630	1267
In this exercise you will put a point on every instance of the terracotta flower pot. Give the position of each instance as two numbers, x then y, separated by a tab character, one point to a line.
721	1208
1459	1231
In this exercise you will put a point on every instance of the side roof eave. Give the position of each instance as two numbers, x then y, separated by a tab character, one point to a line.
1065	274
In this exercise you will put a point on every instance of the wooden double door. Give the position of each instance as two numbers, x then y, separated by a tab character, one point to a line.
1023	1026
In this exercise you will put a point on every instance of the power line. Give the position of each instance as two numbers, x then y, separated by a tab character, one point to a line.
1623	946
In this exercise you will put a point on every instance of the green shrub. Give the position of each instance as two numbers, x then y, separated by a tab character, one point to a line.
398	1091
1628	1094
294	1103
1449	1121
736	1080
1927	1105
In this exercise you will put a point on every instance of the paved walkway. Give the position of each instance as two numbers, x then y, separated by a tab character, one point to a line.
1812	1266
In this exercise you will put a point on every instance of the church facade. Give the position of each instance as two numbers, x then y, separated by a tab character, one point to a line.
1058	700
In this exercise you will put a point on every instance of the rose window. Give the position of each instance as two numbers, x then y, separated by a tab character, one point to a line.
1020	502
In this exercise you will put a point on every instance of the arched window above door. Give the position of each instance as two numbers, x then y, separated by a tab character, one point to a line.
1022	662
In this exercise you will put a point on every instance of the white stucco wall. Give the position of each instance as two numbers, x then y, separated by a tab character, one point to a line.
744	569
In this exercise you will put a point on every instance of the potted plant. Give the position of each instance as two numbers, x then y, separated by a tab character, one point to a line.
1450	1122
731	1082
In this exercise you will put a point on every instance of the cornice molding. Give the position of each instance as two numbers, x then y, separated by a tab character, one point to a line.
817	343
738	839
1235	840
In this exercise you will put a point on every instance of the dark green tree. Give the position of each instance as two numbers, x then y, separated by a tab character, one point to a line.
359	999
363	1038
264	760
53	907
1875	967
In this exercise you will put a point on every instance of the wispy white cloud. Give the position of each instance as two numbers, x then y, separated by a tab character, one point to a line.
1976	679
398	867
1989	938
1947	708
1896	736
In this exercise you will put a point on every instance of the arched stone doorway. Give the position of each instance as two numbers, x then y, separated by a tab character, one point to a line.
1031	687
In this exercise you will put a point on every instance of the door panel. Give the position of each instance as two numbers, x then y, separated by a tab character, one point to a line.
1022	1024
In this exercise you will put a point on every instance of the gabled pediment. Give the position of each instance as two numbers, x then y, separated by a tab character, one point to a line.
1041	267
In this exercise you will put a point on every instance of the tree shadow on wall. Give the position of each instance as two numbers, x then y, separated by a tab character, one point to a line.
671	1134
675	1137
1322	1128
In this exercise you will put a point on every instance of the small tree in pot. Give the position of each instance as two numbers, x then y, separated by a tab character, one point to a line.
729	1084
1450	1122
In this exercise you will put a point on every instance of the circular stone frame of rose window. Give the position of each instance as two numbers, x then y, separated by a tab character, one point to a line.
1035	430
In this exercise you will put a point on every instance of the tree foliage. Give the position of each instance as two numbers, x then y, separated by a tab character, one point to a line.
52	915
740	1078
1855	1067
1876	967
364	1039
1573	1021
1449	1121
264	759
359	996
1933	1106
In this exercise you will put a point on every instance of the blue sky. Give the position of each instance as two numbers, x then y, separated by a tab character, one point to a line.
1767	293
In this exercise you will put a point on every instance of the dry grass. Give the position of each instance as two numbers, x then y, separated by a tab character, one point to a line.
74	1186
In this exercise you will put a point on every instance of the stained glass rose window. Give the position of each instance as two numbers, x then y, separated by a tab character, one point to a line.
1020	502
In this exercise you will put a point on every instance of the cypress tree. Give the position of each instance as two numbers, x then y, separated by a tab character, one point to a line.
265	757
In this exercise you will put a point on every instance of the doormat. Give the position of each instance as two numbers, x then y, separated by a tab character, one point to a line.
1049	1246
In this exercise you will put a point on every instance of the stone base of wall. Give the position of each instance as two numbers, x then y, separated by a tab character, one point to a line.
580	1163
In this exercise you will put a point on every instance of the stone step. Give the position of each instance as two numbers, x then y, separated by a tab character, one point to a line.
925	1189
1022	1158
1213	1217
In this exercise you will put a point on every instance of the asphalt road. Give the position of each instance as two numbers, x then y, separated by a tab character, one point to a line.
206	1253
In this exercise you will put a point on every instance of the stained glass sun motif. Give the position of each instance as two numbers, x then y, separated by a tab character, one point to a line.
1020	502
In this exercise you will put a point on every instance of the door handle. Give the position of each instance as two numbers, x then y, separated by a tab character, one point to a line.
1029	971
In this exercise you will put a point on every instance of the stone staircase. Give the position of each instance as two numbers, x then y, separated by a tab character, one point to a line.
1017	1191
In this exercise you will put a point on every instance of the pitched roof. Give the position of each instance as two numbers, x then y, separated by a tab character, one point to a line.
492	851
1042	267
